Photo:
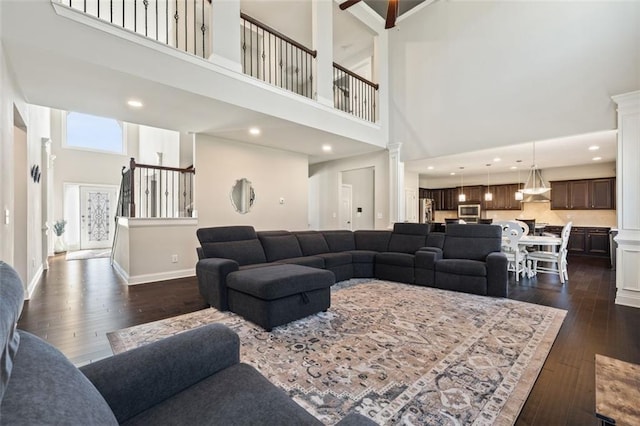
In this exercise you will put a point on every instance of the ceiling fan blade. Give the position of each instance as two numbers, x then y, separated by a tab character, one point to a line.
392	14
347	4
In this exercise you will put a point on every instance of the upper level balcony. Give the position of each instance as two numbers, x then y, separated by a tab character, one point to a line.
243	57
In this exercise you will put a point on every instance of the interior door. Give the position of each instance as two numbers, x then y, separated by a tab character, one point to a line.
97	212
346	212
411	205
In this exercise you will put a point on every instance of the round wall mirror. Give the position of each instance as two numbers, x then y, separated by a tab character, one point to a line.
242	196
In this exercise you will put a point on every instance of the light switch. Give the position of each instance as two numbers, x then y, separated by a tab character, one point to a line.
6	216
379	215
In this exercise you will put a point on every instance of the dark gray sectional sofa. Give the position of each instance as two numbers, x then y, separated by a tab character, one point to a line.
192	378
465	258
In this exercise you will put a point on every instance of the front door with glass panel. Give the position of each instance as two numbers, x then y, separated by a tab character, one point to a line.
97	210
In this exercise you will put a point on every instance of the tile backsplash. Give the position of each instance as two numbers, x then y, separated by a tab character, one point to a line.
542	213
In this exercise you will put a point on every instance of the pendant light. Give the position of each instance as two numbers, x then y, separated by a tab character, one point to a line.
519	194
461	197
488	196
535	185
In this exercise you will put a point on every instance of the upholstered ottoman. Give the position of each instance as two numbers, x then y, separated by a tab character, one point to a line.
274	295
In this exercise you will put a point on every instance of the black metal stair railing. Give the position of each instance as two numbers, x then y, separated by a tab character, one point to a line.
149	191
354	94
178	23
273	57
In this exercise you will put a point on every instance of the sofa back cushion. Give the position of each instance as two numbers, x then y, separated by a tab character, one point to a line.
11	297
408	237
340	240
312	242
239	243
436	239
471	241
372	240
45	388
279	245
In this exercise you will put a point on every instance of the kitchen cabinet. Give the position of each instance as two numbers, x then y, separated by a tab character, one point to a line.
474	194
503	198
584	194
590	241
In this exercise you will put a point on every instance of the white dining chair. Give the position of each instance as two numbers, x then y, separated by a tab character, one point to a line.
516	256
554	262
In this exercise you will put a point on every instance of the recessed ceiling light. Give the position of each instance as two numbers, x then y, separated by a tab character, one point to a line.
597	158
452	173
594	148
327	148
134	103
430	168
495	160
513	167
254	131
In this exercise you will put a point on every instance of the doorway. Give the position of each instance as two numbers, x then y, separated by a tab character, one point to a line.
411	205
20	198
362	182
90	211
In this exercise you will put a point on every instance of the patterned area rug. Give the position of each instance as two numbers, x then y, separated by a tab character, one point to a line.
396	353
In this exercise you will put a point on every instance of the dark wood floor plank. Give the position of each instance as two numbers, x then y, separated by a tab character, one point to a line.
78	302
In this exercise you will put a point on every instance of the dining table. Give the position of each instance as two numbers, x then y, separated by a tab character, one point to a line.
538	241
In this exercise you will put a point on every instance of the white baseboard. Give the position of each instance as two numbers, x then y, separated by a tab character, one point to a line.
149	278
34	283
628	298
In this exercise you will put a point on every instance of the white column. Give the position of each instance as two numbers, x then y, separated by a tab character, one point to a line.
322	27
628	200
224	34
396	184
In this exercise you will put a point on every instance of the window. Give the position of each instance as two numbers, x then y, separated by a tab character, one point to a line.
84	131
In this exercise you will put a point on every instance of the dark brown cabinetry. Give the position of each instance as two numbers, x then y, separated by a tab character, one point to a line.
503	198
585	194
592	241
474	194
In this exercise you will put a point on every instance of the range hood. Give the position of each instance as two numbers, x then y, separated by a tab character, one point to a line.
545	197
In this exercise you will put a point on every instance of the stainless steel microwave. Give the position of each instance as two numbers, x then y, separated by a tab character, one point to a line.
468	211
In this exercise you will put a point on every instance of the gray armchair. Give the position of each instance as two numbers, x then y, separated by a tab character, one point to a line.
470	261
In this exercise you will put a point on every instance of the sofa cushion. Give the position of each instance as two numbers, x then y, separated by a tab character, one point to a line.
11	297
372	240
311	261
396	259
312	242
331	260
238	395
279	245
45	388
239	243
411	228
340	240
403	243
471	241
462	267
281	281
363	256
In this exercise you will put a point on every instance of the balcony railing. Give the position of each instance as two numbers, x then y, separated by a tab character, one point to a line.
149	191
275	58
266	54
177	23
354	94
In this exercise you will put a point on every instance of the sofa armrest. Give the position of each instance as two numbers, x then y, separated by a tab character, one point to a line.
212	280
497	275
136	380
427	257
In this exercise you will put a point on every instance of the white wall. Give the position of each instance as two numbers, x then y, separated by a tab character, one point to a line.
152	141
29	235
488	74
273	173
325	181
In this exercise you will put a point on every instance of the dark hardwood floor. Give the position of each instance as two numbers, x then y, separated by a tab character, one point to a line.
78	302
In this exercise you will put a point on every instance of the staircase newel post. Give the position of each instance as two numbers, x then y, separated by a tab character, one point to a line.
132	204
